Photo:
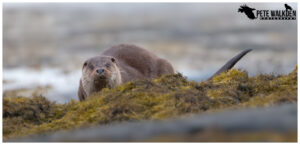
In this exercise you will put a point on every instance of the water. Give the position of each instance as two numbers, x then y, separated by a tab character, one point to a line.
63	86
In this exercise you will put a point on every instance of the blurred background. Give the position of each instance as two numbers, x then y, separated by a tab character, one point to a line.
45	44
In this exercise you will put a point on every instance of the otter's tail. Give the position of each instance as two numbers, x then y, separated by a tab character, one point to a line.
231	63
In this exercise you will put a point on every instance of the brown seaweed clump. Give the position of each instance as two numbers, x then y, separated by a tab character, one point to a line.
165	97
21	112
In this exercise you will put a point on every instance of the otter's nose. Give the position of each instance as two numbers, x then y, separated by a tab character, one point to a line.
100	71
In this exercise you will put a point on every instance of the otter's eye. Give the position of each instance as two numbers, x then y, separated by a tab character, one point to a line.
107	65
91	66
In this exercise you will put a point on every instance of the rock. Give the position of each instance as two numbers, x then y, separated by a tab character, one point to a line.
281	118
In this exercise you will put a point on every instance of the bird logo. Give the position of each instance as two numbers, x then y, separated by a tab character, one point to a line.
287	7
248	11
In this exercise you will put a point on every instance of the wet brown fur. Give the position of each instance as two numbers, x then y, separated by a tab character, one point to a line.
130	63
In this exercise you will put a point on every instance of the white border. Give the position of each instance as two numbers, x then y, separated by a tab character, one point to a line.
116	1
151	1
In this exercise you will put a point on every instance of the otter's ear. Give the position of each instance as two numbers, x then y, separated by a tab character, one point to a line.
113	59
84	65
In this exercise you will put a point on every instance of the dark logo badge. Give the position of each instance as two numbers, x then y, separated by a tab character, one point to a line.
252	13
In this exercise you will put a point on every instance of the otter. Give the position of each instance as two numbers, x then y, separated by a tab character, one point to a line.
122	63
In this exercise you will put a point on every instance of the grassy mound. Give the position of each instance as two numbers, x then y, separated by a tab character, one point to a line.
161	98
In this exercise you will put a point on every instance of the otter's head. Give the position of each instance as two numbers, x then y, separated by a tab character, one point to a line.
100	72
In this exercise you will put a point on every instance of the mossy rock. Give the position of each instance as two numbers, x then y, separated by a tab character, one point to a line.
165	97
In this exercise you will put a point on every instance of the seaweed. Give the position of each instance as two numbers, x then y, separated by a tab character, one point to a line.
22	112
151	99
